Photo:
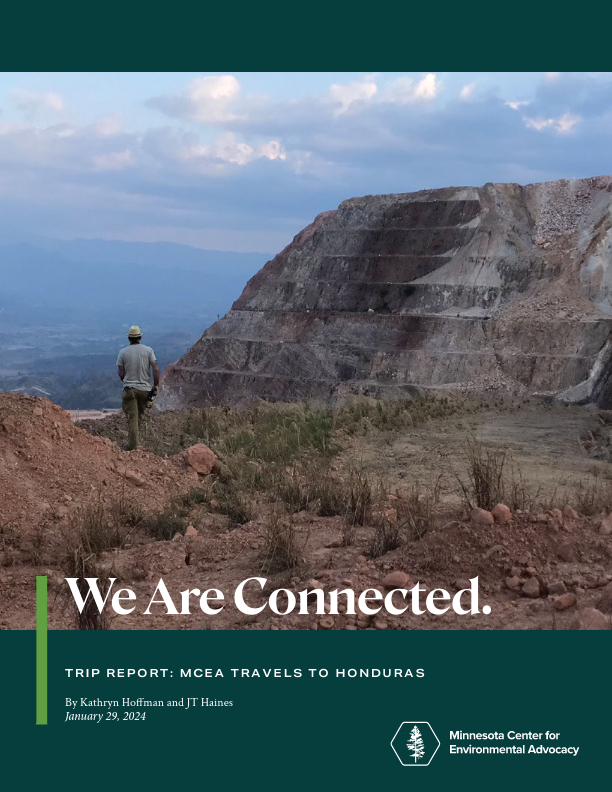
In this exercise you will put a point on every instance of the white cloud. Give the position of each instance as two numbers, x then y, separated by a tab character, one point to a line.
293	156
551	76
428	87
272	150
116	160
515	105
63	130
30	101
467	91
343	96
562	125
207	100
229	150
211	97
405	91
109	126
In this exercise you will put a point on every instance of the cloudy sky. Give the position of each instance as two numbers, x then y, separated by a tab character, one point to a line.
243	161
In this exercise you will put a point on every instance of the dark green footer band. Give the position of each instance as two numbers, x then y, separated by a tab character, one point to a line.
41	650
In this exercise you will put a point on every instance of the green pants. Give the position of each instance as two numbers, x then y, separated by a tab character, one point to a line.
133	403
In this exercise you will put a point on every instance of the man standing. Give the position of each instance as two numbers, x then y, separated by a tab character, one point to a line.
133	364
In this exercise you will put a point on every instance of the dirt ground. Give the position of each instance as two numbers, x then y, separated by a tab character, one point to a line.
545	446
538	571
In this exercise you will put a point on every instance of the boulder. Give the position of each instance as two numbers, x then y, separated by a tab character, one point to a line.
481	517
396	580
501	514
498	548
570	514
556	587
565	601
605	527
590	619
200	458
565	551
531	588
134	478
191	531
604	603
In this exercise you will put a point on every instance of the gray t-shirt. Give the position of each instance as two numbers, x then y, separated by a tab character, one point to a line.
136	360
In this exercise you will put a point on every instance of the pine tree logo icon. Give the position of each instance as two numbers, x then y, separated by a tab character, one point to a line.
415	743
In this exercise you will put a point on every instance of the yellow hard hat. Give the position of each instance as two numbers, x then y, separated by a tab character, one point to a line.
134	332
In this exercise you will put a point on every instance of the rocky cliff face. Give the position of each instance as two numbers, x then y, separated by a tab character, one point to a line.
499	287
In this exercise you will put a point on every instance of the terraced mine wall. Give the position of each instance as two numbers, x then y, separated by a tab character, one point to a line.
501	287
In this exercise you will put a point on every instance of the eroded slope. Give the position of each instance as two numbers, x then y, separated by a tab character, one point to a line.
503	286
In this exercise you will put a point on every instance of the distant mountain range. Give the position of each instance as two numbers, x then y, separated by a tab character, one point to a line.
126	281
65	307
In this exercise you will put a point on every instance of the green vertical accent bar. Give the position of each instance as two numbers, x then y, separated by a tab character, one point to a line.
41	650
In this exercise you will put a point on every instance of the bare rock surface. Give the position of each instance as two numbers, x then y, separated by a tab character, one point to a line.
497	288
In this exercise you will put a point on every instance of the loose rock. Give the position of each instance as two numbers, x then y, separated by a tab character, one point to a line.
199	457
565	551
590	619
396	580
605	527
501	514
481	517
557	587
604	603
531	588
565	601
570	514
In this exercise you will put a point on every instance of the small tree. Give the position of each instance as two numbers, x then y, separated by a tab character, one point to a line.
415	743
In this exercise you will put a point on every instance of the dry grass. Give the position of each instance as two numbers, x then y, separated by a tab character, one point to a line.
281	551
99	526
492	477
165	523
94	528
484	483
518	495
593	495
416	513
387	537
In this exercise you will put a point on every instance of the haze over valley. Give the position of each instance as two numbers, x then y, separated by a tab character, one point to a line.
65	307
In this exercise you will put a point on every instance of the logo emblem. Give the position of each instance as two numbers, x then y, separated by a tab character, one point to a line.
415	743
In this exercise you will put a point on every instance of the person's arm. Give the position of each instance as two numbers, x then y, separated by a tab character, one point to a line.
120	366
155	368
